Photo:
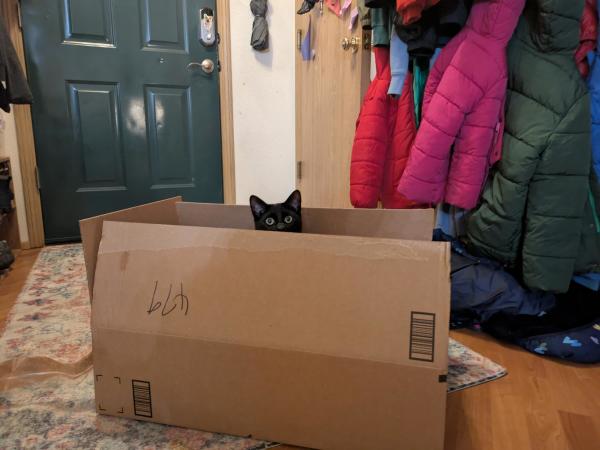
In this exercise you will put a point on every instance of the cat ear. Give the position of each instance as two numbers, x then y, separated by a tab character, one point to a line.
294	201
257	206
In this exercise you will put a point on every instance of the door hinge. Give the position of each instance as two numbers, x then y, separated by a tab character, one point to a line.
37	178
299	170
19	15
299	39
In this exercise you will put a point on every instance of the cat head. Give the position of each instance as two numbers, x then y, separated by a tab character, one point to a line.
284	216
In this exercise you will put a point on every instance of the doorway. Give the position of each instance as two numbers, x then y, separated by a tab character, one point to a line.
126	106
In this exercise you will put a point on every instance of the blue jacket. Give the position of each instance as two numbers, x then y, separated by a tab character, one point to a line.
398	63
594	87
588	259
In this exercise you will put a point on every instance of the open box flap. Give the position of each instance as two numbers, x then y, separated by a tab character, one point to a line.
416	224
91	229
332	295
413	224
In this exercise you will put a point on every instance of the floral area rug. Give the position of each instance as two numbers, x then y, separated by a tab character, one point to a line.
49	329
467	368
52	315
59	412
50	325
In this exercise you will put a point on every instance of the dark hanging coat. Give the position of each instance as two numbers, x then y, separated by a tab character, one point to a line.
532	211
437	26
16	90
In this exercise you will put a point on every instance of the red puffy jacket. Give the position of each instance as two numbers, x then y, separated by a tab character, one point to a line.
588	37
385	130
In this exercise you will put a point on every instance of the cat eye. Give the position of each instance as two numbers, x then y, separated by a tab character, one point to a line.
288	219
270	221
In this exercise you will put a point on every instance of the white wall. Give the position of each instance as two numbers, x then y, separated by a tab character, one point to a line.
264	103
8	147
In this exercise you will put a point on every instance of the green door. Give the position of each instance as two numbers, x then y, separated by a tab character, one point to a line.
119	117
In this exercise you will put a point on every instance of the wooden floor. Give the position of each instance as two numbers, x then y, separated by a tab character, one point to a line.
541	404
12	282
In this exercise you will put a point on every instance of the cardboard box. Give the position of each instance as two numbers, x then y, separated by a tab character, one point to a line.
336	338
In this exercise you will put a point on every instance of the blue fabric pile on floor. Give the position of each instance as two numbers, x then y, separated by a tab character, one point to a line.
487	297
570	330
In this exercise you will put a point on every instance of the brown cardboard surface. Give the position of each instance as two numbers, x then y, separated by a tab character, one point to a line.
91	229
308	339
335	338
334	295
307	399
415	224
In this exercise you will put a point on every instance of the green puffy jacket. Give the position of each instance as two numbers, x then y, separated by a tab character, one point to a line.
532	212
588	259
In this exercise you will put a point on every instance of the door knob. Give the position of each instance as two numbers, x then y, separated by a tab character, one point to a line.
345	44
353	44
207	66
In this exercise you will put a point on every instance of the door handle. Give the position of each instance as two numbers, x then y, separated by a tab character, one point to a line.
353	44
207	66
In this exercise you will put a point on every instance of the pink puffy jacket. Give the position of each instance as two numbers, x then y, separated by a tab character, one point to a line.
463	106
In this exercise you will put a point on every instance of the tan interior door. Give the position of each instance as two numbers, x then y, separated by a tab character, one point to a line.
329	91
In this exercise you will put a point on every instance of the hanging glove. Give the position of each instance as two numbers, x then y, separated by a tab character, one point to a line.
307	6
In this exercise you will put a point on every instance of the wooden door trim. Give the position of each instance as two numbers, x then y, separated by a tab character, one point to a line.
24	125
298	61
226	99
9	9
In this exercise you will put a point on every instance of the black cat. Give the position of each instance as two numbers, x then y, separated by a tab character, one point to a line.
284	216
